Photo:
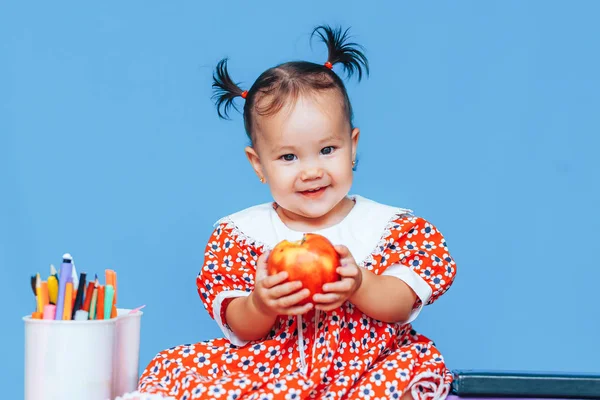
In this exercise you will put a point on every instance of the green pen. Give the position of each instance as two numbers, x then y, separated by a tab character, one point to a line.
109	293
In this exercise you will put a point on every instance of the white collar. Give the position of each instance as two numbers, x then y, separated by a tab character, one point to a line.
362	230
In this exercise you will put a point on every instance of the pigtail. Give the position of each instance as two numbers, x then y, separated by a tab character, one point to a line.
225	90
350	55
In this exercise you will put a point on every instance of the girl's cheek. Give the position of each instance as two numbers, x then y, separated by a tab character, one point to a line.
282	176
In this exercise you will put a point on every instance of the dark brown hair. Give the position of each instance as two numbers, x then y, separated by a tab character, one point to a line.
287	81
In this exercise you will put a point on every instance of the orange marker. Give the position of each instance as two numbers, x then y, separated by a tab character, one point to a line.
68	312
36	315
111	279
108	276
100	303
44	293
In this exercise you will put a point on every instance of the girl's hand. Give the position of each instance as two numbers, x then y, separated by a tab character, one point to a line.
273	296
337	293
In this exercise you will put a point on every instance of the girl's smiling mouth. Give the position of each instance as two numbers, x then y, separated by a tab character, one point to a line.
313	193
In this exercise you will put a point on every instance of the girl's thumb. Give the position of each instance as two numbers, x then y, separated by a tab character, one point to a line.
261	266
262	260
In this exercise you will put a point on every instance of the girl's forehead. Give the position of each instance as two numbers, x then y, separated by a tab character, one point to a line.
309	118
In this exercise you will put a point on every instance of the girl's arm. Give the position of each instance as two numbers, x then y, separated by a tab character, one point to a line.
246	320
384	298
252	317
416	270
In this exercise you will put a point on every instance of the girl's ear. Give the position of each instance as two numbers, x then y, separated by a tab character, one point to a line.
355	135
255	162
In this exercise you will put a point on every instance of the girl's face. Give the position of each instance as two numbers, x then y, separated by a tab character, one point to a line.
305	154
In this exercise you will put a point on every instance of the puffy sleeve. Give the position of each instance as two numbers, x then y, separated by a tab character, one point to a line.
416	252
227	272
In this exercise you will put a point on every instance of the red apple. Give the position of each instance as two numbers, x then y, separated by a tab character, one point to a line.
311	260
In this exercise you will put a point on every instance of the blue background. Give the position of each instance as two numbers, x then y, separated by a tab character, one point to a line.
480	116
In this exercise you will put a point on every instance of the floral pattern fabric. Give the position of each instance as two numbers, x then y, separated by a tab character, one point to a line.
340	354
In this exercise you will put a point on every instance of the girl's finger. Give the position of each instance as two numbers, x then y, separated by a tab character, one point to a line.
298	310
342	250
326	298
272	280
348	270
284	289
340	286
261	266
328	307
292	299
261	261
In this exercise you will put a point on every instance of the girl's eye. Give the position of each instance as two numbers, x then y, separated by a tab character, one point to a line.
288	157
327	150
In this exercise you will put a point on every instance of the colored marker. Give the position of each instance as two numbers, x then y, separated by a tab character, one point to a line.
137	309
38	294
65	274
52	289
74	277
88	297
33	283
93	302
81	315
49	311
115	285
44	293
80	293
52	285
68	304
111	279
100	305
109	293
53	271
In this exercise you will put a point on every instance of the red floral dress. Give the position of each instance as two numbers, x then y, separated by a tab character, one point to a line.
341	354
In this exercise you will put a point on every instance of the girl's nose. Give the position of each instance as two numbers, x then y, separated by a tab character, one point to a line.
311	173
